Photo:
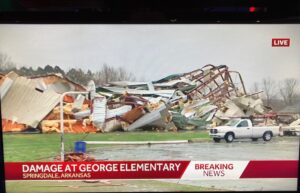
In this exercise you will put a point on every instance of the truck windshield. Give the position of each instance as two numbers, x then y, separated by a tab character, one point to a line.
232	122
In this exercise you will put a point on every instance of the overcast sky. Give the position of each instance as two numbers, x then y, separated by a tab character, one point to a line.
155	51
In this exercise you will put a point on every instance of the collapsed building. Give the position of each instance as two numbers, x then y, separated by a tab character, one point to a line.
195	100
190	100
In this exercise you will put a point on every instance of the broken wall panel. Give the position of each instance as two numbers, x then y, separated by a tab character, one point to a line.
59	83
99	111
23	101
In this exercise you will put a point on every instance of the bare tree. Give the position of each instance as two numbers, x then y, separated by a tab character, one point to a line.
79	76
109	74
124	75
6	63
268	86
255	87
287	90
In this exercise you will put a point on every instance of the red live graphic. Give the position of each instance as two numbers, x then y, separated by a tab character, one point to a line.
281	42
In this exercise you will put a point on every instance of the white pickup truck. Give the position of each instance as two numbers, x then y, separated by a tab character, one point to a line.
242	128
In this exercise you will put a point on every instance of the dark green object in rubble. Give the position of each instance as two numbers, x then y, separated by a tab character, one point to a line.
187	88
185	123
101	89
168	78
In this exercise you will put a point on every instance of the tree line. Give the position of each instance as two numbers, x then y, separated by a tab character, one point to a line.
102	76
286	90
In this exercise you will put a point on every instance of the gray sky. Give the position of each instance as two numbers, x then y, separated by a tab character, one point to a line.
155	51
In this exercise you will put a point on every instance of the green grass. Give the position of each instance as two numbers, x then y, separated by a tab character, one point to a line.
101	186
43	147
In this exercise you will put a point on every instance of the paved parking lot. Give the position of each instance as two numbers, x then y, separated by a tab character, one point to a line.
280	148
277	148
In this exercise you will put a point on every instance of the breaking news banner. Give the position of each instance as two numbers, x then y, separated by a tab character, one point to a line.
187	170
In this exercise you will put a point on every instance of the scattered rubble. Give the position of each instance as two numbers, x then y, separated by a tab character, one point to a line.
75	157
195	100
10	126
295	123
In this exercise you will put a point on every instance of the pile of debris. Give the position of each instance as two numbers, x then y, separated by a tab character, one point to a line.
185	101
75	157
194	100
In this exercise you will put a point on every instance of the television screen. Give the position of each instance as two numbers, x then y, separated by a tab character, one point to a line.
150	107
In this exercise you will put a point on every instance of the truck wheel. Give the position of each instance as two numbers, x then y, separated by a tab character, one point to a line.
267	136
229	137
254	139
217	140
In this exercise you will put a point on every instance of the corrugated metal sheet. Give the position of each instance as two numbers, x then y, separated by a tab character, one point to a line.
99	111
6	84
174	82
81	114
118	111
77	105
163	93
24	104
59	82
127	83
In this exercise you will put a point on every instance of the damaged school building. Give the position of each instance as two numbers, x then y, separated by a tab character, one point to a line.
200	99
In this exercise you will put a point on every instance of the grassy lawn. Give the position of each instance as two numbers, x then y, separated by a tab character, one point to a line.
100	186
43	147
